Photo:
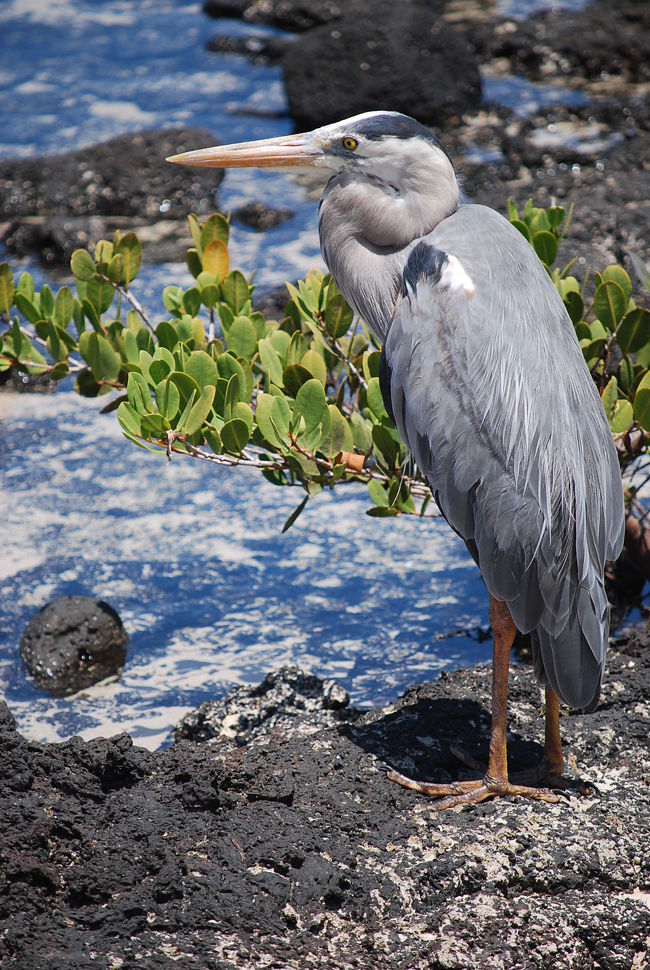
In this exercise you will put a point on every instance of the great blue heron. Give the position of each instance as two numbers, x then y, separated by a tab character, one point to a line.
483	374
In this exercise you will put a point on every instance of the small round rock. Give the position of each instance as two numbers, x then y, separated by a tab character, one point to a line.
73	642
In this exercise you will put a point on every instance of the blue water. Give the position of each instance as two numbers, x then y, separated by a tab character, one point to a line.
193	559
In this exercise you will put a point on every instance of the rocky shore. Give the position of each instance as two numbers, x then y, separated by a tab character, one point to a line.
584	141
268	835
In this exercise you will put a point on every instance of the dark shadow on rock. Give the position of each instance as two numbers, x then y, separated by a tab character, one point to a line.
417	737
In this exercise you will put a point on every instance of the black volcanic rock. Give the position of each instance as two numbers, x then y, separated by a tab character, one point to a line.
53	204
294	15
399	56
280	842
73	642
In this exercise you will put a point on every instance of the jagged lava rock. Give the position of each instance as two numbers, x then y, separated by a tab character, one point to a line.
277	846
73	642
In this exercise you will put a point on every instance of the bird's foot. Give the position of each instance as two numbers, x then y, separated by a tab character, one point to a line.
549	773
460	793
553	775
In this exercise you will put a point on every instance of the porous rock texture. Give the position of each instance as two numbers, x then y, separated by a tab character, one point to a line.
399	56
58	203
279	843
73	642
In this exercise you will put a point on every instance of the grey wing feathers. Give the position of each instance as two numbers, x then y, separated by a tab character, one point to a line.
492	395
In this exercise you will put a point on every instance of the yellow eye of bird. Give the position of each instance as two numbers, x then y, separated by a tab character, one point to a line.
349	143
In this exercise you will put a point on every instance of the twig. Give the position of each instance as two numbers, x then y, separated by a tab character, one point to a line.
130	298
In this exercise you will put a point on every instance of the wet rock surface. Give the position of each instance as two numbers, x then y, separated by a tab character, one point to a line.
283	844
54	204
73	642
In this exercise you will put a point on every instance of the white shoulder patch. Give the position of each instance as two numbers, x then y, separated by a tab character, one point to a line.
454	278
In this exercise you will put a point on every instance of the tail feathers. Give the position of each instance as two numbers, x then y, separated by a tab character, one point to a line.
573	661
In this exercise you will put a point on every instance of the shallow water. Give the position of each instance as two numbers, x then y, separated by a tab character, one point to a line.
194	561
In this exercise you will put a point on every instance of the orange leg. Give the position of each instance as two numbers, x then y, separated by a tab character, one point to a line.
495	782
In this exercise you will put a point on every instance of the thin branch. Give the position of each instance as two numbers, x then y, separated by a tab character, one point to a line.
130	298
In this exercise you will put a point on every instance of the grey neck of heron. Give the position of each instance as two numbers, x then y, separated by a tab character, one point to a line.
367	229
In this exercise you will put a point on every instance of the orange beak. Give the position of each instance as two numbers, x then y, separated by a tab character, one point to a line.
287	151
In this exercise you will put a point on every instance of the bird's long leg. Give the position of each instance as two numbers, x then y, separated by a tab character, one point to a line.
551	769
495	782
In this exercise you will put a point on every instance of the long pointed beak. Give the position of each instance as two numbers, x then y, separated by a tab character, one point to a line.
286	151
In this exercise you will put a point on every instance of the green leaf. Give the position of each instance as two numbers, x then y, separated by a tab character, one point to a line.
47	302
25	306
192	301
173	299
618	275
555	215
375	399
209	296
382	513
227	365
200	410
642	403
311	404
193	260
168	399
63	307
270	361
162	365
592	350
294	515
202	368
622	418
235	291
99	293
98	353
7	289
129	419
337	317
293	377
361	432
609	397
137	391
187	386
575	306
82	265
609	304
213	438
241	339
130	253
633	331
231	397
340	437
314	363
385	444
521	227
378	493
297	348
545	245
26	285
195	230
235	436
217	228
244	412
271	432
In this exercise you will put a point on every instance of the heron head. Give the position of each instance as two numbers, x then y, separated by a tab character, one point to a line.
383	145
